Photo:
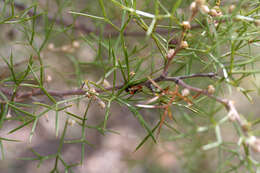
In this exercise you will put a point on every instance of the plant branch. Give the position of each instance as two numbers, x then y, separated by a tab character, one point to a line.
178	80
36	92
107	34
181	44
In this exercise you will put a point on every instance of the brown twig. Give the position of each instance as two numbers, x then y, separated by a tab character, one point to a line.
25	94
107	34
233	114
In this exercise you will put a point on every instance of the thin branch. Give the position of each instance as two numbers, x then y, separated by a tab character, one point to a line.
229	105
36	92
107	34
210	75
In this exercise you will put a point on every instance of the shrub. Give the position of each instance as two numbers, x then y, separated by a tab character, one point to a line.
175	65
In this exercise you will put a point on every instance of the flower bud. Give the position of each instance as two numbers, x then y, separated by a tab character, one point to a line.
216	23
186	25
170	53
220	13
211	89
65	48
193	7
106	83
132	73
92	90
254	143
231	8
49	78
71	122
185	92
9	115
213	12
47	117
257	22
246	126
200	2
75	44
101	104
204	9
51	47
184	44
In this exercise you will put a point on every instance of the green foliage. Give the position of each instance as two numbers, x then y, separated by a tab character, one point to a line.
131	41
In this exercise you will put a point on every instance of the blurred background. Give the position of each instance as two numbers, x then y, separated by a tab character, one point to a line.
76	50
